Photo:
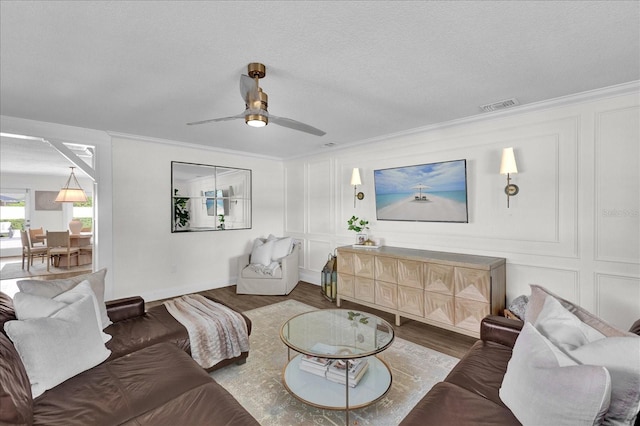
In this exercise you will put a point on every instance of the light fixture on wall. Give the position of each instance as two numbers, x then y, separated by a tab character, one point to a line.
507	167
355	181
71	194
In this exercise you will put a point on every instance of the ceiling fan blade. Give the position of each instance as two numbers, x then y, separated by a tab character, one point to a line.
233	117
248	88
295	125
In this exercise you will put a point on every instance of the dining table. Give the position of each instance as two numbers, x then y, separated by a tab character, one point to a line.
77	240
81	240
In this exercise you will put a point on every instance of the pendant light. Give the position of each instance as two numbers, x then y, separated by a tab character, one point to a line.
70	194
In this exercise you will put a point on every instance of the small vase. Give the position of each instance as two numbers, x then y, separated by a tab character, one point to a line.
75	226
361	238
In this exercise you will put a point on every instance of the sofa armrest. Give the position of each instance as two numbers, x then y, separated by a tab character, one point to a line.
126	308
243	262
290	261
501	330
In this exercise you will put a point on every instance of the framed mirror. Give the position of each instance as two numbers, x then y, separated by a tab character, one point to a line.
209	198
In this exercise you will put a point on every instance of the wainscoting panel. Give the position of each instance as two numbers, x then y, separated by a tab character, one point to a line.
318	253
617	175
618	299
294	205
319	196
564	283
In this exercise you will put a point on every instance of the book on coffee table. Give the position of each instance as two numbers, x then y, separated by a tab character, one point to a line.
336	372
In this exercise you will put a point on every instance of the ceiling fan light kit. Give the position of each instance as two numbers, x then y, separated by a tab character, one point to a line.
256	113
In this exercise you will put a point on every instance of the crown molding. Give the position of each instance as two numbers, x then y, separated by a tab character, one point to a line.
632	87
190	145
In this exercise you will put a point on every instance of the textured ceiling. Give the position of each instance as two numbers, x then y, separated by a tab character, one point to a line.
356	70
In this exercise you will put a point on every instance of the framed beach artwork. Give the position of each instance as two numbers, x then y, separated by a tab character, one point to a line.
435	192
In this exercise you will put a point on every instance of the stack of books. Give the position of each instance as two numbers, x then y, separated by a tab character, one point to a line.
336	372
314	365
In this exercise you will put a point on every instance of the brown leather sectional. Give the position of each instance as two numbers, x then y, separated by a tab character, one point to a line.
149	379
469	395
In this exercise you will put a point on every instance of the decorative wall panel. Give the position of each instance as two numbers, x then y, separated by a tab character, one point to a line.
617	176
319	196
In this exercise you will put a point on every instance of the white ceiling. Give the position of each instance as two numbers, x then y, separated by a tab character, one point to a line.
357	70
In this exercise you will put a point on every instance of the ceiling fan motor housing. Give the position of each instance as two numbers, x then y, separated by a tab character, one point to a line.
256	69
257	111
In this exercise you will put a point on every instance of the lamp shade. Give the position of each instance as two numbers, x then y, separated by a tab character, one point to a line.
508	164
70	194
355	177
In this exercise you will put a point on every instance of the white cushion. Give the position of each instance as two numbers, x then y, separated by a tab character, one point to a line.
29	306
621	357
544	386
52	288
261	253
536	303
595	344
281	248
562	328
56	348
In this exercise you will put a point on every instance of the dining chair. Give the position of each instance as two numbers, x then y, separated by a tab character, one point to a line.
59	245
33	237
29	252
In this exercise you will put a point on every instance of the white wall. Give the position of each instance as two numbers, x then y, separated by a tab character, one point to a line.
151	261
574	226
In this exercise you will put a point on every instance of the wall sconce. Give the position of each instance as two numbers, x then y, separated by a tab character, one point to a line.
508	166
355	181
71	194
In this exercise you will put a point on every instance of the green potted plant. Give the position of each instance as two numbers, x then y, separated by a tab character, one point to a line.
181	215
359	226
221	221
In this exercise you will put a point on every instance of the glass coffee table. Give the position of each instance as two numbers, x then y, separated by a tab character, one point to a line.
337	334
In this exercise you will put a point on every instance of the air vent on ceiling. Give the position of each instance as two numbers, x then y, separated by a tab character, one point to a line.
507	103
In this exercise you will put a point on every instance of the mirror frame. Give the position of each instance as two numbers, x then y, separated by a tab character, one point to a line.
211	195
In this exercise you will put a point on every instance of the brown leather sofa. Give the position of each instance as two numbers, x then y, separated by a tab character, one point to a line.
469	395
149	379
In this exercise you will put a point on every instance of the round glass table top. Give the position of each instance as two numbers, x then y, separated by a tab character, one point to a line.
337	333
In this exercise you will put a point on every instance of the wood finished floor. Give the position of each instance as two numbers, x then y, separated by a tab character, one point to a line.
444	341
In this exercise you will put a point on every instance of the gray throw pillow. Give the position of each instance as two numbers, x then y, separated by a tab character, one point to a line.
52	288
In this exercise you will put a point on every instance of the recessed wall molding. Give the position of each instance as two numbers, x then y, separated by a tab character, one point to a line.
563	282
617	298
617	208
542	146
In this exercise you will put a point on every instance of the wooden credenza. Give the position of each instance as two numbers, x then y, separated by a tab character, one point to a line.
449	290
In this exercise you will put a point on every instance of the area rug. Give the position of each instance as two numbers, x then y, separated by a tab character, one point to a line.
12	271
257	384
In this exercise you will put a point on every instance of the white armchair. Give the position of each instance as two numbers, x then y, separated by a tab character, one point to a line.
282	282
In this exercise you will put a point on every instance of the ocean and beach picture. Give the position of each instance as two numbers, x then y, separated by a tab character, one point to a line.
435	192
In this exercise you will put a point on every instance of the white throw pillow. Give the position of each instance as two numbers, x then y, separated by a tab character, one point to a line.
29	306
84	289
621	357
619	353
562	328
281	248
52	288
58	347
261	254
544	386
536	302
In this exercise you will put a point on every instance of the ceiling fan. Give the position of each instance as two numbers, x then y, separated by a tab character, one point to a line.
256	113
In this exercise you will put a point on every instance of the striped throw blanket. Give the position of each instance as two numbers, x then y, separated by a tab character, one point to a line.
216	332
